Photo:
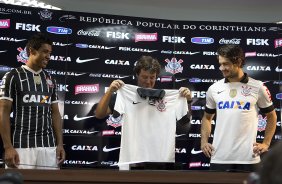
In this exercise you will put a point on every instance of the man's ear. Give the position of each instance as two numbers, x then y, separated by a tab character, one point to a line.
31	51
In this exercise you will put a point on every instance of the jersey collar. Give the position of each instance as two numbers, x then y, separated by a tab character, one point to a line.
245	79
31	70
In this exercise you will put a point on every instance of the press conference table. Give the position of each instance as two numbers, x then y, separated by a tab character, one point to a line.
106	176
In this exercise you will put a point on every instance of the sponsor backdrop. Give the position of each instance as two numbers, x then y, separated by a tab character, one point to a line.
91	50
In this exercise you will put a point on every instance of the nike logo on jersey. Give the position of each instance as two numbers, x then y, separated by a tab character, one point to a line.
23	80
194	152
3	51
78	60
135	103
105	149
220	92
81	118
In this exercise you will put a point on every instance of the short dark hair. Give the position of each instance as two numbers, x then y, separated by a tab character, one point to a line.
232	52
36	41
270	172
147	63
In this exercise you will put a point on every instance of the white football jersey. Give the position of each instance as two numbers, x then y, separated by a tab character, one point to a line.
236	105
148	131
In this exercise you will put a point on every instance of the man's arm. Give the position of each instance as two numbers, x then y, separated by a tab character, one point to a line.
206	147
11	155
269	132
57	126
103	109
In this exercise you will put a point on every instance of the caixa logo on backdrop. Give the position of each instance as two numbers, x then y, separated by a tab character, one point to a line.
58	30
84	148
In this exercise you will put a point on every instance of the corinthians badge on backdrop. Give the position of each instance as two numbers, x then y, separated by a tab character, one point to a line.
232	93
37	79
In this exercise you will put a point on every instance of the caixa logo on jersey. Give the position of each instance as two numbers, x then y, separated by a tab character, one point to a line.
279	96
58	30
38	99
202	40
84	148
22	56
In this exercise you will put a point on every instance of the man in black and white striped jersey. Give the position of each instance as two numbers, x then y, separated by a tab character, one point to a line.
32	139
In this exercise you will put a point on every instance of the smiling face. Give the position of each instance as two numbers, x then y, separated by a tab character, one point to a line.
228	69
38	59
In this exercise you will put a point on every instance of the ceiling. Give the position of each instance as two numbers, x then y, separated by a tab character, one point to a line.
261	11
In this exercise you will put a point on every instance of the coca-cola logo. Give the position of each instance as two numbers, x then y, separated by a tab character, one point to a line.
88	33
230	41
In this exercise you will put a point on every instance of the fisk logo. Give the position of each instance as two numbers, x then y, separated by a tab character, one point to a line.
117	35
58	30
202	40
251	41
36	99
174	39
28	27
4	23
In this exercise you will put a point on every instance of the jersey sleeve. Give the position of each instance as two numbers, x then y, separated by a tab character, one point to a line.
210	103
264	100
7	87
181	108
120	102
54	97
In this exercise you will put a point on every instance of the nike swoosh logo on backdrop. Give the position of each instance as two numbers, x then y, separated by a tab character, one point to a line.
19	40
81	118
78	60
194	152
105	149
179	80
180	135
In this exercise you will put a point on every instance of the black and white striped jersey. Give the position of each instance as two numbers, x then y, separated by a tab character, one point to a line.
32	94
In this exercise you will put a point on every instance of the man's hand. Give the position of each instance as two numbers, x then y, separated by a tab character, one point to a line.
185	92
61	154
207	149
12	158
259	148
115	85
